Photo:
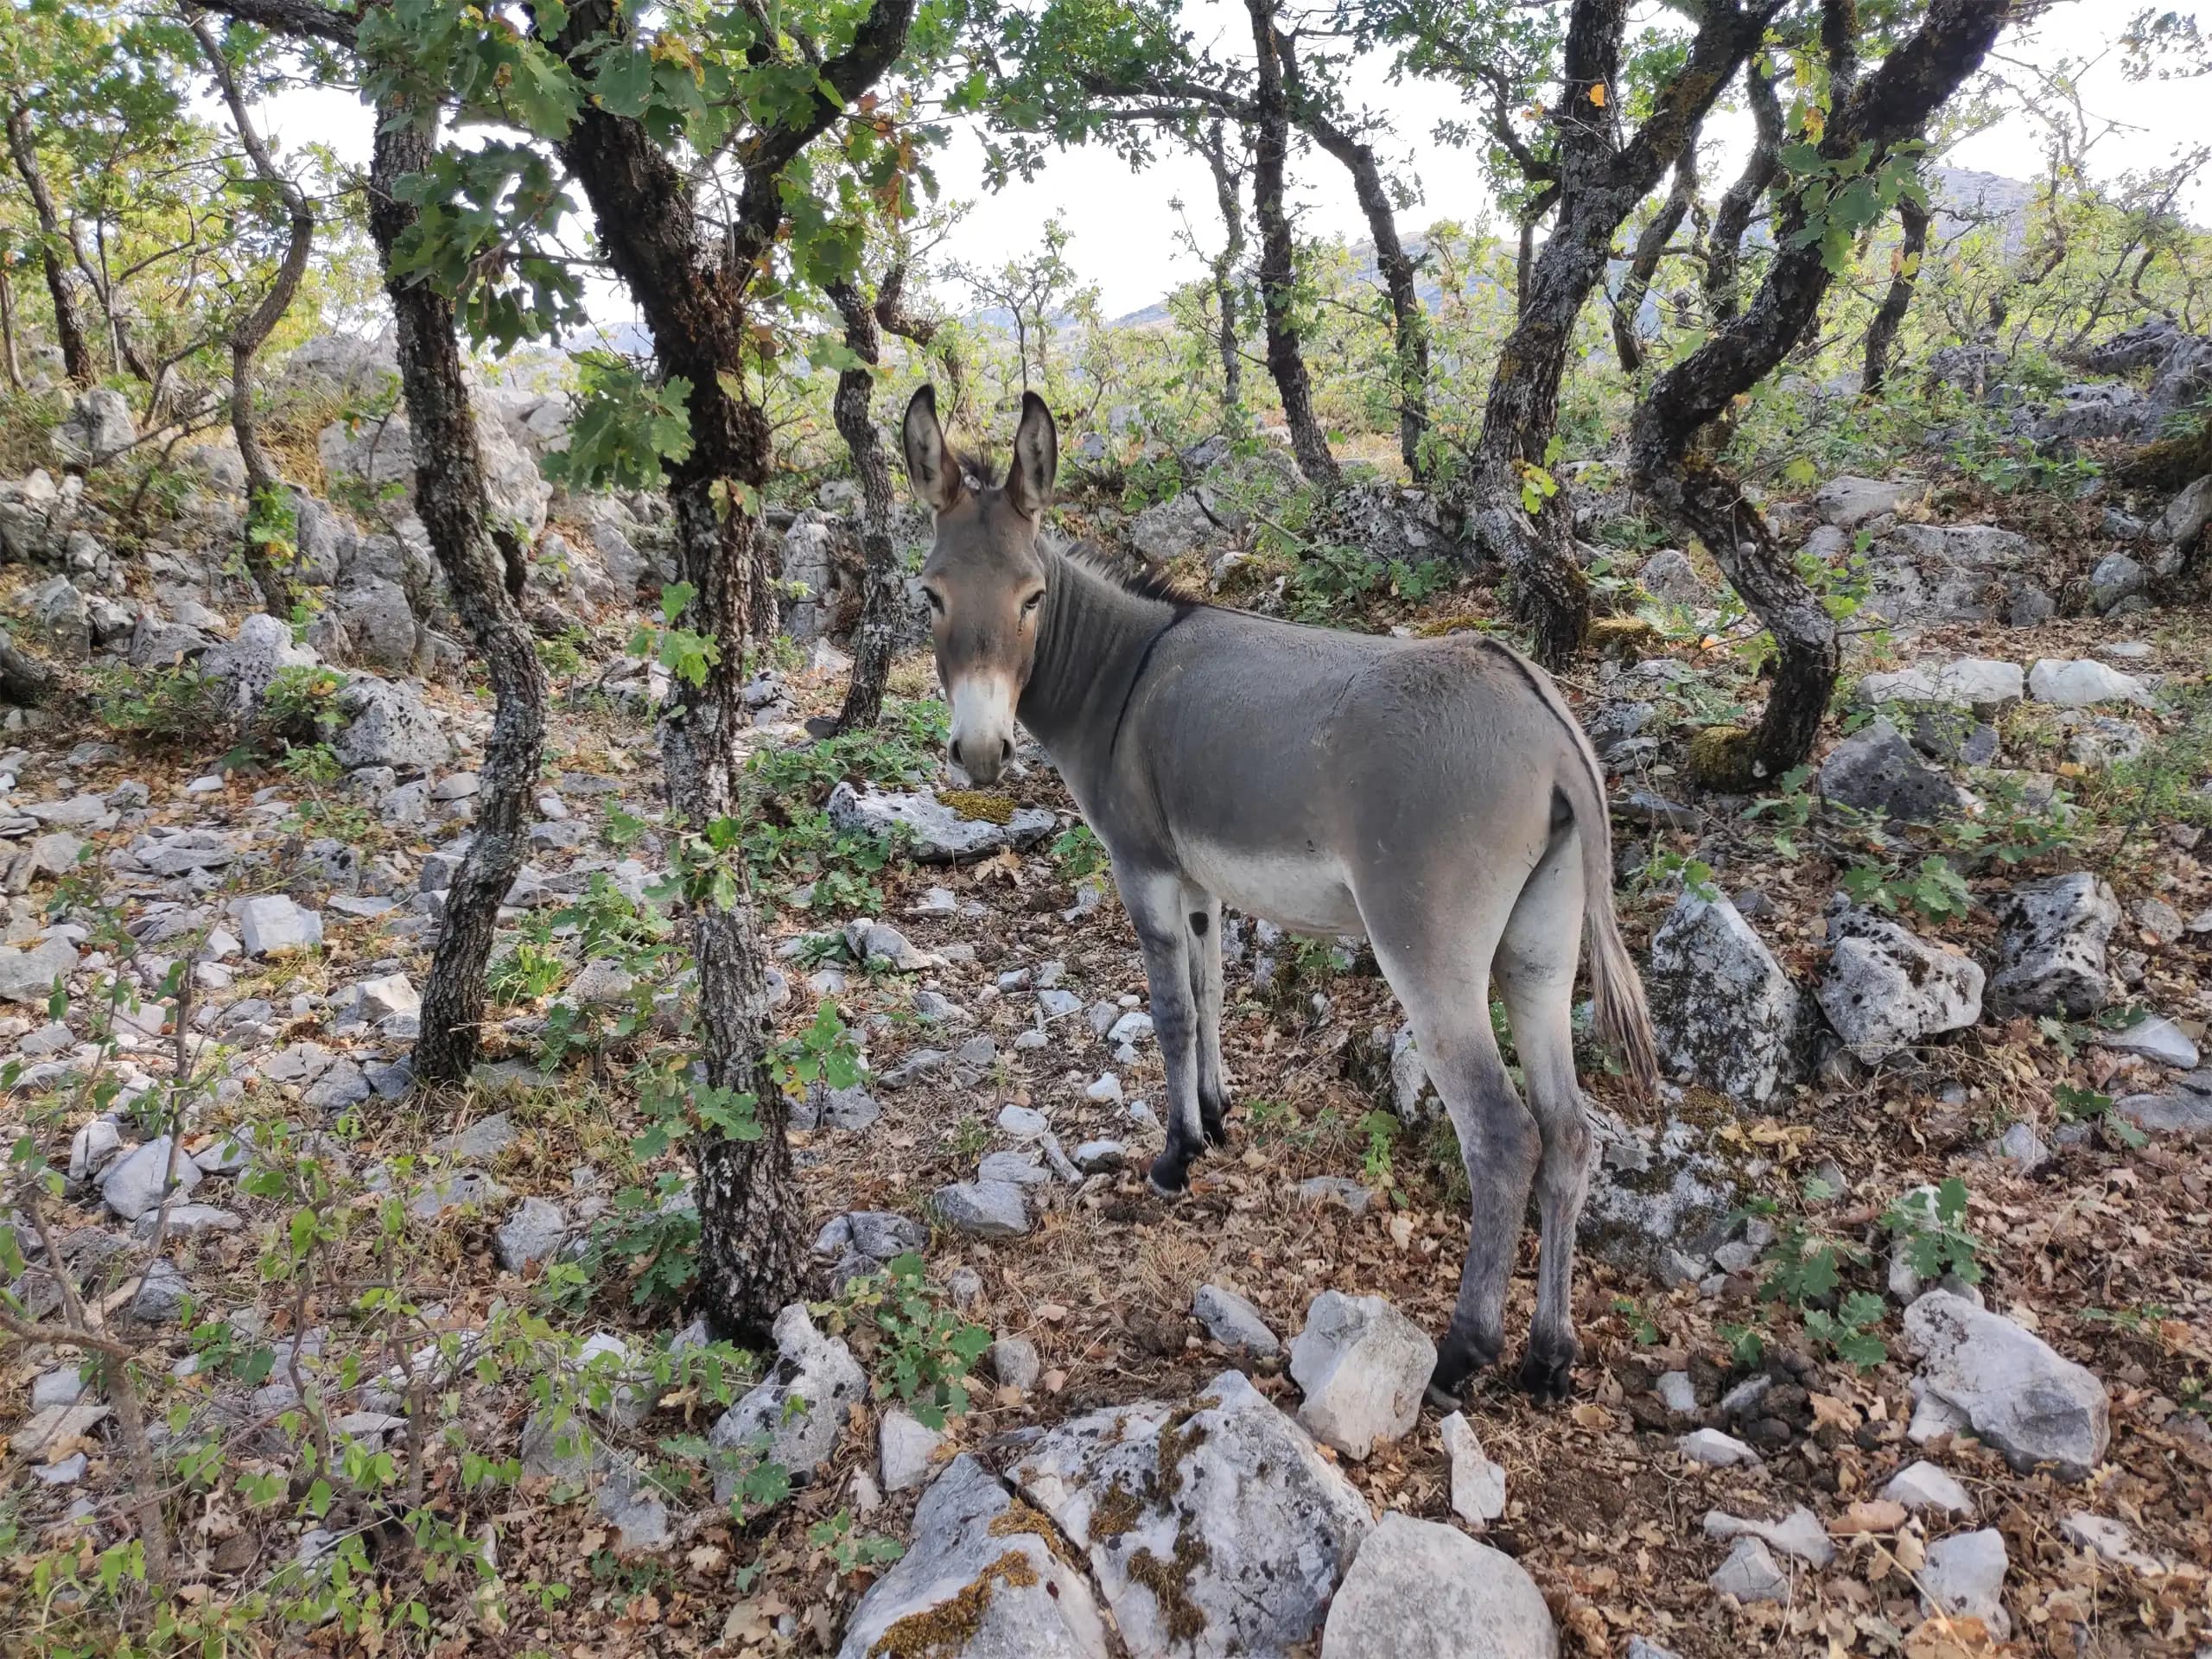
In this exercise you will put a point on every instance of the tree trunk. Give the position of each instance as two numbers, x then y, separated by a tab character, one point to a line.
1644	264
1216	147
882	594
1600	182
24	680
7	358
1725	251
1882	332
1887	106
68	321
479	568
252	330
1408	320
1278	260
751	1254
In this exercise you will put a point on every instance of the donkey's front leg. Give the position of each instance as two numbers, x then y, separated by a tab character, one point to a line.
1154	901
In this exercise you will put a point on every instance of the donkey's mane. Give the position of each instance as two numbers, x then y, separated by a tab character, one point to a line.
1144	580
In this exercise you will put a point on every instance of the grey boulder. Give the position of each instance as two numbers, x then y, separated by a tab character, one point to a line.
2052	947
794	1415
1885	990
1223	1501
1363	1367
1421	1590
1722	1010
977	1570
2016	1393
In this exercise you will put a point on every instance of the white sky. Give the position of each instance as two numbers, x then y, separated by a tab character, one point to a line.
1125	235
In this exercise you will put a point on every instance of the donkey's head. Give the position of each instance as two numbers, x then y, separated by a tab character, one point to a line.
985	577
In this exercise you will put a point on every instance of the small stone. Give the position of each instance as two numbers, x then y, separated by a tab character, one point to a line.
1025	1122
1964	1574
983	1209
1337	1190
1751	1574
1799	1534
1421	1590
1108	1088
1477	1484
1927	1489
1677	1392
2019	1395
1013	1167
273	925
2081	684
2154	1038
801	1408
136	1182
1015	1363
965	1285
1716	1450
1235	1323
905	1448
532	1233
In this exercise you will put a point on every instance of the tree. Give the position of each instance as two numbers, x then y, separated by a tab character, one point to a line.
68	320
1724	247
883	591
251	330
1905	277
1120	71
1590	171
1838	184
483	564
1651	246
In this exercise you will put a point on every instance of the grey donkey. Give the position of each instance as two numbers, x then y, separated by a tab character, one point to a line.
1434	795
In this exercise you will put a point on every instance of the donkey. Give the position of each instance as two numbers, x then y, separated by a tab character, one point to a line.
1434	795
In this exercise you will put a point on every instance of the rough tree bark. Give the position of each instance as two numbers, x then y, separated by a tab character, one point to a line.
751	1254
1214	145
1643	263
1600	179
1278	261
480	563
251	330
68	320
876	636
1691	486
1882	332
7	358
1724	252
1408	320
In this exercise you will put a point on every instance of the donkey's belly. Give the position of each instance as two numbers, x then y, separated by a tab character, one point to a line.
1302	891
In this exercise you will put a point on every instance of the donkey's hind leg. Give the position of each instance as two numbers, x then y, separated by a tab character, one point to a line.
1536	976
1202	913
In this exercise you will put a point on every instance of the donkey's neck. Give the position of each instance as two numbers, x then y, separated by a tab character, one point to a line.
1091	645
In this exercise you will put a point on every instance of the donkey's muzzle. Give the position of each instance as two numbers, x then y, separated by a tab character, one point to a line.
982	758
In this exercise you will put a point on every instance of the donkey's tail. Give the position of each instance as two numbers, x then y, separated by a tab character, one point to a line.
1617	989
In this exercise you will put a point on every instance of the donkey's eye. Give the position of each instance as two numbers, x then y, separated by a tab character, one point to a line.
1029	605
935	599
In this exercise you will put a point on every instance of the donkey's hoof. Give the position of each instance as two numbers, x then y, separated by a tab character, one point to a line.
1445	1399
1167	1176
1548	1376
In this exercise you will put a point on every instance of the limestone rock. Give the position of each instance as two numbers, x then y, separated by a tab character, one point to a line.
1926	1488
2083	683
976	1584
389	725
1233	1322
983	1209
941	834
135	1183
1848	502
1364	1366
1722	1010
2053	946
272	926
794	1415
904	1447
2183	1107
1875	770
1212	1528
1964	1574
1477	1484
1885	990
2022	1398
1419	1590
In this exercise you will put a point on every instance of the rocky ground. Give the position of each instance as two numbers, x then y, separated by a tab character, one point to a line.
1894	1309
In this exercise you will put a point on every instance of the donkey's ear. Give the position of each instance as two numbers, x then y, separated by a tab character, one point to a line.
1036	458
931	464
